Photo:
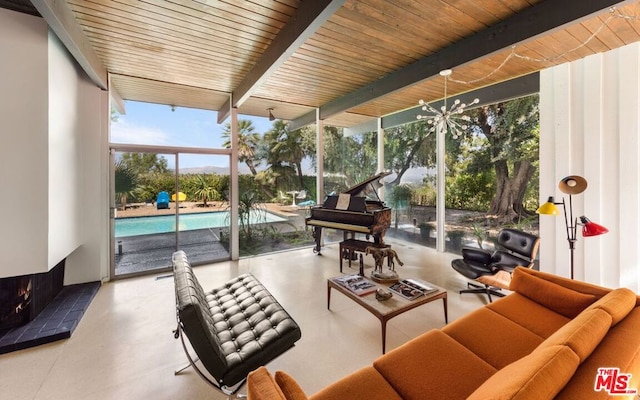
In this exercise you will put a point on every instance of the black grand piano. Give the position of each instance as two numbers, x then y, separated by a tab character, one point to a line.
357	209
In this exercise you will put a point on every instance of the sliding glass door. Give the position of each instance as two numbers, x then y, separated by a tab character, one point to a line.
202	202
166	202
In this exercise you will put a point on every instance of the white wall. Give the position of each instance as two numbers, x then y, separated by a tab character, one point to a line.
24	143
78	118
53	178
590	126
90	262
65	136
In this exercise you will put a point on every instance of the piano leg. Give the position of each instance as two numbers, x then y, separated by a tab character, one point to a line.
378	238
317	235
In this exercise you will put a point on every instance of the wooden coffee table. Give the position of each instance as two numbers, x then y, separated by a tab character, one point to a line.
387	309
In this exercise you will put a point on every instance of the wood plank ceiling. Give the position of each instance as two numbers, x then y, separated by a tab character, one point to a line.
196	53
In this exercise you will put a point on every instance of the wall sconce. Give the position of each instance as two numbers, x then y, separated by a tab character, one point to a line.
571	185
271	117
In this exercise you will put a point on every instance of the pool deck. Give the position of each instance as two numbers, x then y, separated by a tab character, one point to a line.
188	207
149	252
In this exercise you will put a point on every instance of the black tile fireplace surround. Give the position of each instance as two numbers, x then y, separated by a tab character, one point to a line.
37	309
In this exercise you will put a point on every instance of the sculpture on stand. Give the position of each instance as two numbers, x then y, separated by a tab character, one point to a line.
379	254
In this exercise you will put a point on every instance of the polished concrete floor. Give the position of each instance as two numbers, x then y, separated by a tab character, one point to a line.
124	347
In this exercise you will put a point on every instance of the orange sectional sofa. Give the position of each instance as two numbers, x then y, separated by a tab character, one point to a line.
551	338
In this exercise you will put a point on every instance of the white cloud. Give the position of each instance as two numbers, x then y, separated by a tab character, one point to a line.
124	132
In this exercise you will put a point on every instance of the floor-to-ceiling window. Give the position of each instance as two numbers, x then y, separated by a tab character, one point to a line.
490	171
170	175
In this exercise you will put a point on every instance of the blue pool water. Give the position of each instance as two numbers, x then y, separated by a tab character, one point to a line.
167	223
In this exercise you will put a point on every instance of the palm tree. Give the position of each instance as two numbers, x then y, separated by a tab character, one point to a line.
204	190
124	182
247	142
286	148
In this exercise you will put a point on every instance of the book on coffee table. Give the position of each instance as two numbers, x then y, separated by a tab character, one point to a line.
356	284
411	289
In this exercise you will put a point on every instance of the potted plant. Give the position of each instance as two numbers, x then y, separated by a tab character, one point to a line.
455	239
425	229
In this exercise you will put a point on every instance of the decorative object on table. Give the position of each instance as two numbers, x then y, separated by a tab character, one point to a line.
379	274
382	295
411	289
379	254
361	269
571	185
356	284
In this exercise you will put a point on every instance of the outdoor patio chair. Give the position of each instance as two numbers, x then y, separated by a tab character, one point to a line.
284	199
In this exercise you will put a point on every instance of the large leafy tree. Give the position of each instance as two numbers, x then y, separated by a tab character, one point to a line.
144	163
353	157
409	146
512	132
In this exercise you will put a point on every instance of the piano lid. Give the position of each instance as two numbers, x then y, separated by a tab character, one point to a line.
369	187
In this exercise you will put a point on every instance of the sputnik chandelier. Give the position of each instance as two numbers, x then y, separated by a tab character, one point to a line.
449	119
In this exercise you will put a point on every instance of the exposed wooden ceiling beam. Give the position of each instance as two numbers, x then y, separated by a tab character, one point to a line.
503	91
61	20
308	18
541	18
116	99
508	90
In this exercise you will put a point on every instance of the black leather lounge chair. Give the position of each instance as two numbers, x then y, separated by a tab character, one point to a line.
493	271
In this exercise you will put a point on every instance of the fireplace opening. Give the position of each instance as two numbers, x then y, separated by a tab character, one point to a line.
23	297
15	301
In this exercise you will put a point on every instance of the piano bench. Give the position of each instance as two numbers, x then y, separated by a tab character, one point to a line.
355	245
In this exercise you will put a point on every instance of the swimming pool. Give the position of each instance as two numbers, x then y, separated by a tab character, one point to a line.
136	226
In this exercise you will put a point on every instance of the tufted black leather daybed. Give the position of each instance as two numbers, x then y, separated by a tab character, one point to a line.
233	329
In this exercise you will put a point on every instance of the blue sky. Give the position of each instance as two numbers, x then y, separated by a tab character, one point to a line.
155	124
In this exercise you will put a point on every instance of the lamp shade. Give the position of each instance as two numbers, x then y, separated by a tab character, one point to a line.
573	184
591	228
548	208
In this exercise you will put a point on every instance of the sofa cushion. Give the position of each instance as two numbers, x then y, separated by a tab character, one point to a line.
540	375
492	337
530	315
551	295
262	386
433	366
619	349
575	285
364	384
617	303
582	334
289	386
